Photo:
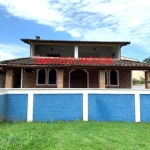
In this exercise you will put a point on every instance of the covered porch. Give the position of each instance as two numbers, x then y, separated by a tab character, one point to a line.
71	78
23	73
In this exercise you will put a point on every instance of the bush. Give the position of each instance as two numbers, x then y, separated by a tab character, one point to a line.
140	81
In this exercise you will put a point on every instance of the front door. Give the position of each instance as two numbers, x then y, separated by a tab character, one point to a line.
78	79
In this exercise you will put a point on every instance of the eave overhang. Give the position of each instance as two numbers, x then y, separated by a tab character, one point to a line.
29	41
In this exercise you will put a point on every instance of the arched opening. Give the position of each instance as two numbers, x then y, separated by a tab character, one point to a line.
113	77
78	79
52	76
41	76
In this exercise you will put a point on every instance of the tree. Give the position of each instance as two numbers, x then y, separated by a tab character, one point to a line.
147	60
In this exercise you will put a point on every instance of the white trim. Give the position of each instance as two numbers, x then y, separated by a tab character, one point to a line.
69	76
137	108
37	75
87	77
21	78
31	49
120	52
75	51
85	106
131	80
2	91
74	90
48	77
83	70
30	107
117	77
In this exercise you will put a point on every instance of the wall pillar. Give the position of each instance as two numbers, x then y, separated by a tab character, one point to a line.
60	78
76	52
9	80
101	78
147	79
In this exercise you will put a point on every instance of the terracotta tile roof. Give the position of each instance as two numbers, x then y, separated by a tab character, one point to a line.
28	41
18	61
33	62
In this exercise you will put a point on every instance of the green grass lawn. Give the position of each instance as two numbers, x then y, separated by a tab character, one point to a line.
77	135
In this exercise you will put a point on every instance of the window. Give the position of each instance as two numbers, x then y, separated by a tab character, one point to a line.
114	77
45	77
106	77
53	55
41	76
52	76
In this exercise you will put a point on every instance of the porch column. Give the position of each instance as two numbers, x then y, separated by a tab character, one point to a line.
147	79
21	78
101	78
75	51
60	78
9	78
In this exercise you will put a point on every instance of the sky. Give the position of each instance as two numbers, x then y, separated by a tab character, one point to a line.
92	20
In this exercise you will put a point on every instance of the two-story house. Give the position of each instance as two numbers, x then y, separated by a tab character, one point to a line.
71	64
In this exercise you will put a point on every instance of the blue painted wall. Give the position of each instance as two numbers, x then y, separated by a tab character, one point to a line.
16	107
69	107
145	107
52	107
2	107
111	107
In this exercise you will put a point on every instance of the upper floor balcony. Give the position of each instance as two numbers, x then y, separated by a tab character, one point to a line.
75	49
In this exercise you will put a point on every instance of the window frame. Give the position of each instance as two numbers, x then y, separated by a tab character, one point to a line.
48	77
117	78
37	76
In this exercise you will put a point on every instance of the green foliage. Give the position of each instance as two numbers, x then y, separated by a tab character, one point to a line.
147	60
140	81
77	135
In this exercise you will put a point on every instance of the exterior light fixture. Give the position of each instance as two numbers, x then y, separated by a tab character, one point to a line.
113	54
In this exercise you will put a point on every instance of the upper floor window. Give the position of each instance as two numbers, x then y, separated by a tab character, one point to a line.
41	76
114	77
52	75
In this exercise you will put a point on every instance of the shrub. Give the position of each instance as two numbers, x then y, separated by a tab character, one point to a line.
140	81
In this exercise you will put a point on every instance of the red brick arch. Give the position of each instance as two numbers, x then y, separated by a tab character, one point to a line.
78	79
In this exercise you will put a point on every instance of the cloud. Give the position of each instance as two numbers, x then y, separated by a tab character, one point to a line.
110	20
6	55
11	51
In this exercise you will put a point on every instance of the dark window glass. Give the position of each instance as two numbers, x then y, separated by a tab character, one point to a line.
106	78
113	77
52	76
53	55
41	76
